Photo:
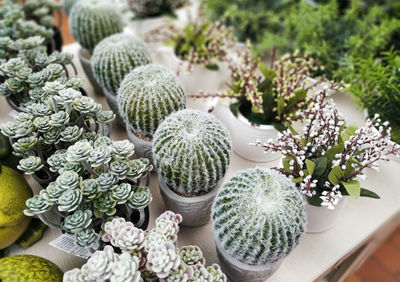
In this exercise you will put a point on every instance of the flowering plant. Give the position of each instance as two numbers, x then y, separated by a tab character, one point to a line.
272	95
153	253
327	157
96	180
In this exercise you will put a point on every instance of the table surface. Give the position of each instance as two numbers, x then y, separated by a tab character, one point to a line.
315	254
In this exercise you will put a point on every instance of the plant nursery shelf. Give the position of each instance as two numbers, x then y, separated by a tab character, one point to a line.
363	222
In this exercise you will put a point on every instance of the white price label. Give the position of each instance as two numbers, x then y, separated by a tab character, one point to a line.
66	243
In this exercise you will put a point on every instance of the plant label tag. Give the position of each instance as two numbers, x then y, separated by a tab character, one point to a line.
66	243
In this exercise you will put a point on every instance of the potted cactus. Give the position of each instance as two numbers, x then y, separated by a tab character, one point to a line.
90	22
96	180
263	101
146	256
191	151
147	95
113	58
259	218
328	158
56	119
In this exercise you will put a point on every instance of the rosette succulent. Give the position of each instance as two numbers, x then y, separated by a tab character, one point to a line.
115	56
89	190
93	20
259	216
191	151
154	90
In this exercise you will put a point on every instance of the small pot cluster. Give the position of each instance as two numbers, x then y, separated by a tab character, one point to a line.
135	255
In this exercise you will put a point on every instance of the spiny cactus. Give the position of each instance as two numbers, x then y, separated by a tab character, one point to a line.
147	95
93	20
148	8
191	151
115	56
67	5
258	216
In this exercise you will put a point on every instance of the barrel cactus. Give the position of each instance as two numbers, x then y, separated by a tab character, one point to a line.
147	95
149	8
258	216
93	20
191	151
115	56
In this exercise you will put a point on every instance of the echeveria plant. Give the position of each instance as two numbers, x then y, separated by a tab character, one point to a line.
154	254
328	156
97	179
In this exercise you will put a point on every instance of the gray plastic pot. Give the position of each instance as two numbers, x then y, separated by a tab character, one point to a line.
195	211
112	102
238	271
143	148
84	58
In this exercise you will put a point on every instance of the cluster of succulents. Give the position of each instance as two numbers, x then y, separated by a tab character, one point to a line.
96	180
259	216
41	11
148	255
116	56
191	151
151	8
153	89
93	20
58	118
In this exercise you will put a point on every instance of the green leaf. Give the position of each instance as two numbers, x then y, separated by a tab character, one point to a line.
335	175
310	166
297	180
348	132
336	149
285	163
236	86
235	108
281	105
321	165
279	126
298	94
353	188
266	71
368	193
213	67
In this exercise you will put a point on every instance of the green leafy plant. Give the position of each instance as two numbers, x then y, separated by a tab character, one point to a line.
152	8
96	180
328	157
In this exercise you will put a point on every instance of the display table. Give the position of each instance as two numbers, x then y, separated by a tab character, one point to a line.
363	224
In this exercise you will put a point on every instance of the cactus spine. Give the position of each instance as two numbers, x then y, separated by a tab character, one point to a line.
191	151
93	20
115	56
258	216
147	95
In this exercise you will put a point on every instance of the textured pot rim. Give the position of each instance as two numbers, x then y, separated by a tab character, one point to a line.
84	55
242	265
130	132
172	195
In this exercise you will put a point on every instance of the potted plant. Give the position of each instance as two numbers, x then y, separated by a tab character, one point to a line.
265	100
58	118
147	95
96	180
113	58
259	218
148	256
375	90
191	151
25	75
327	159
197	52
90	22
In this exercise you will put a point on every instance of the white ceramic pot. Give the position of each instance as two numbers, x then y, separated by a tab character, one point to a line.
143	148
240	272
85	59
195	211
320	219
243	133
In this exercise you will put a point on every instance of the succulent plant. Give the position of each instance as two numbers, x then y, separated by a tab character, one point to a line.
115	56
89	195
148	8
93	20
162	258
41	11
191	151
154	90
259	216
67	5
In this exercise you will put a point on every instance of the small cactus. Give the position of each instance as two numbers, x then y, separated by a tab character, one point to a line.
191	151
258	216
93	20
147	95
115	56
148	8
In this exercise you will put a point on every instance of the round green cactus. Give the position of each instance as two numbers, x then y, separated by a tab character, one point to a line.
259	216
115	56
93	20
147	95
191	151
149	8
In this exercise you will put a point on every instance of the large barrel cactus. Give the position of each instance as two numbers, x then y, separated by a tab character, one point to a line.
93	20
191	151
149	8
147	95
115	56
258	216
